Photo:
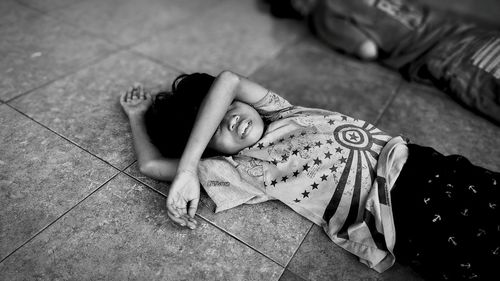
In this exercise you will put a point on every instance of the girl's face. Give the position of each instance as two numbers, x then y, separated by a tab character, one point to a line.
240	128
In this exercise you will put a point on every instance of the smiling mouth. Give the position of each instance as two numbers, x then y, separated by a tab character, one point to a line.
244	128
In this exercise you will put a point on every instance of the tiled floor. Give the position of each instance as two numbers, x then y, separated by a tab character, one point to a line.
73	205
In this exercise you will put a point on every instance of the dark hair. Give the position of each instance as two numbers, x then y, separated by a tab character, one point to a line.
171	117
283	9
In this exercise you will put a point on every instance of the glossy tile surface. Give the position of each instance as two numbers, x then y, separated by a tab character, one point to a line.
271	227
41	177
236	35
431	118
130	21
48	5
85	106
122	232
310	74
63	65
318	258
290	276
37	49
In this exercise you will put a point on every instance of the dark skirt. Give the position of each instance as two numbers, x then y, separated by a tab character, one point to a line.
447	217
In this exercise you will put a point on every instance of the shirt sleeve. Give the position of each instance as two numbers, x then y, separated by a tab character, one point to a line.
272	106
232	181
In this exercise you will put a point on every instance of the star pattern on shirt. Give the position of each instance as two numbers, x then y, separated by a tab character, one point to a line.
318	144
295	152
327	155
343	160
329	141
333	168
273	183
284	157
307	147
283	179
338	150
260	145
306	167
331	122
314	185
317	161
353	136
296	173
324	177
305	194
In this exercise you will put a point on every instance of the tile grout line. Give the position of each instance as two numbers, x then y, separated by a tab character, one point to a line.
213	224
292	43
121	47
291	258
67	139
389	103
207	220
82	67
117	48
240	240
59	217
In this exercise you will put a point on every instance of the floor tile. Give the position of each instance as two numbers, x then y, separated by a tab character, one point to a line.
129	21
318	258
431	118
48	5
271	227
311	74
37	49
122	232
41	176
85	106
290	276
236	35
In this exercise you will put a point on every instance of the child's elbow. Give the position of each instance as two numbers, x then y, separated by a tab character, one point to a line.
229	76
147	169
159	170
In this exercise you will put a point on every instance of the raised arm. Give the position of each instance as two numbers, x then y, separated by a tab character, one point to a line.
183	197
135	102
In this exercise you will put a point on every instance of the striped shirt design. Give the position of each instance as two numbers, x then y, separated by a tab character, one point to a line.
487	57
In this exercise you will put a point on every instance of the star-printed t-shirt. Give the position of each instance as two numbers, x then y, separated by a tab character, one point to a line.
323	165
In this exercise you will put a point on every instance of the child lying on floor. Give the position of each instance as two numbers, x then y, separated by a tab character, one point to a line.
425	46
375	195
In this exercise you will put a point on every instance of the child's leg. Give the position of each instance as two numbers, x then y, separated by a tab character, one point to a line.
447	216
466	65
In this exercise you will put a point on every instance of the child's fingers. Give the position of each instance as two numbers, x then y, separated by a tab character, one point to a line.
178	220
193	206
123	98
137	85
130	93
181	207
171	208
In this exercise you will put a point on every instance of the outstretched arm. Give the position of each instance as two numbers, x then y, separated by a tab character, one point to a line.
135	102
183	198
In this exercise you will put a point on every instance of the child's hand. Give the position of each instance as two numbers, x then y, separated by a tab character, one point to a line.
136	101
183	198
